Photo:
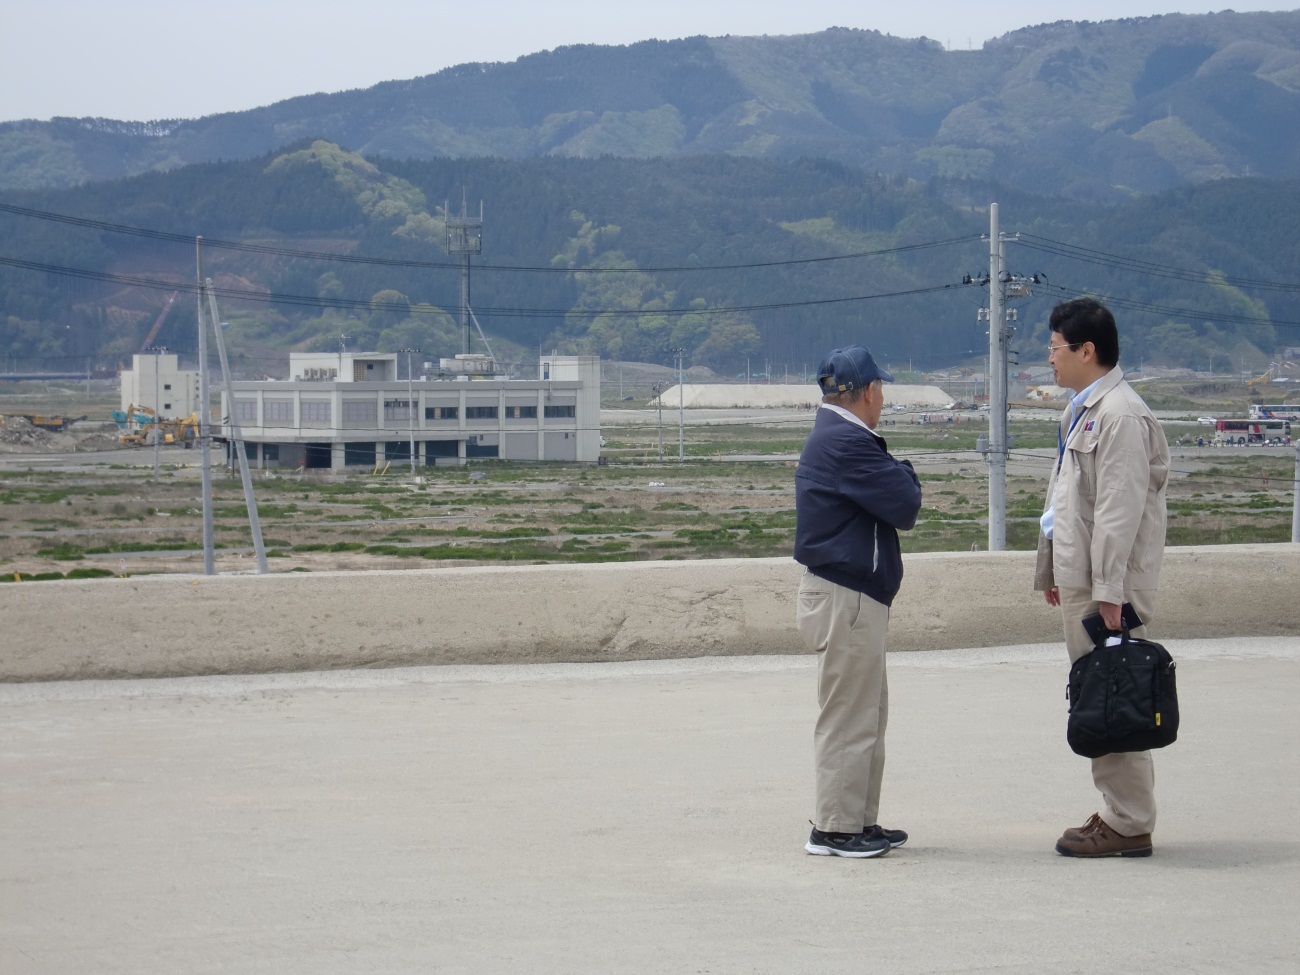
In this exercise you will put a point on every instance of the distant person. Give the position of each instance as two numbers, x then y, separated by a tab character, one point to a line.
851	500
1103	541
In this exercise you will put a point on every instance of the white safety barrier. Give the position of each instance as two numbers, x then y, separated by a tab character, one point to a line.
167	626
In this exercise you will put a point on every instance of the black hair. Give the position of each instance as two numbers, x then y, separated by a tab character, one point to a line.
1088	320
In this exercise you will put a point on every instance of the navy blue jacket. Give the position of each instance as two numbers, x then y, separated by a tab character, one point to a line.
851	500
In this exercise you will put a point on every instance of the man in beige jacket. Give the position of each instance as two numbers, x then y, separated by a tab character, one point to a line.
1103	542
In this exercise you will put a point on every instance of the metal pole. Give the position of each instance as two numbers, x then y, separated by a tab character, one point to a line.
1295	498
997	390
681	407
205	421
157	351
410	404
236	438
659	400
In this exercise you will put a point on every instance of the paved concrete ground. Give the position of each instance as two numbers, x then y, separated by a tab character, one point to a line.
631	817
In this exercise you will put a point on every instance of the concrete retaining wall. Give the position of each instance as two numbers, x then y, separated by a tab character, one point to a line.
168	626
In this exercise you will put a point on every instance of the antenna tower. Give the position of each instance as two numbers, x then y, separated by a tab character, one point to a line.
464	238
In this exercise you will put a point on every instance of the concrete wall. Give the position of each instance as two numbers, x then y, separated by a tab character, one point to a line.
184	625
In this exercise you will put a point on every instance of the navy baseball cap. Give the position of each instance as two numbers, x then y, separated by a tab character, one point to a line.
851	368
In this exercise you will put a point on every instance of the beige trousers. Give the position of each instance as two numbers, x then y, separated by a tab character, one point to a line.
1126	780
847	631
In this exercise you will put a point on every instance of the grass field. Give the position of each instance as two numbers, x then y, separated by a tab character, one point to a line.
110	517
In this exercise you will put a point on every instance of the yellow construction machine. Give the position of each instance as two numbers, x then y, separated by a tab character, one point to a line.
135	423
183	431
45	421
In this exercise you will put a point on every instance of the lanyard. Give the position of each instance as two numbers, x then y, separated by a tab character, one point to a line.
1061	441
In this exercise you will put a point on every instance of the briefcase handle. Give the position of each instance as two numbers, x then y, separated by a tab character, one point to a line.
1099	633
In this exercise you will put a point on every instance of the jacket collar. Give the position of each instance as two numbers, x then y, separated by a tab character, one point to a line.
848	416
1104	386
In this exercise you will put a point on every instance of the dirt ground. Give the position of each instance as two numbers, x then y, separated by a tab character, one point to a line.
77	501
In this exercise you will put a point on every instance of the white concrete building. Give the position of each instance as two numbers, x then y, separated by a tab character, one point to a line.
351	410
766	395
158	382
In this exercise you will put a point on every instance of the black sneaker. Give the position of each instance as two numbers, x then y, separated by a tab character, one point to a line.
845	844
896	837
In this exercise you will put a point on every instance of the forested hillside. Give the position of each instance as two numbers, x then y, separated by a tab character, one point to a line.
739	261
1091	111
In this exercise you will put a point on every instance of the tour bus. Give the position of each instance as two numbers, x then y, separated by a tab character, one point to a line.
1257	431
1275	411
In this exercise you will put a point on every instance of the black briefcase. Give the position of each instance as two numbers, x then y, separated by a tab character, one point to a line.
1123	697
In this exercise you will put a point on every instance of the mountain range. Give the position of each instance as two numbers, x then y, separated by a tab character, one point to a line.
1093	111
742	199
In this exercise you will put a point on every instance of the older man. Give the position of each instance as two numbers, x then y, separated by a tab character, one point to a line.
851	500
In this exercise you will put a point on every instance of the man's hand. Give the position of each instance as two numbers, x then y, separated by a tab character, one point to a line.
1110	615
1053	596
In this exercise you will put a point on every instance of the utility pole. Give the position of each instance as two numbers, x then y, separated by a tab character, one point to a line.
1003	285
681	405
157	351
658	390
205	420
1295	498
997	390
410	404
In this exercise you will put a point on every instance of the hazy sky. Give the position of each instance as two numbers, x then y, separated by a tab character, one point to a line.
154	59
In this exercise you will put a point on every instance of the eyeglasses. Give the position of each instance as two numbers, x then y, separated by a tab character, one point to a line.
1053	349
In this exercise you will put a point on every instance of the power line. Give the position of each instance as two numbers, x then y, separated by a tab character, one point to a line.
445	265
1118	262
1170	310
415	308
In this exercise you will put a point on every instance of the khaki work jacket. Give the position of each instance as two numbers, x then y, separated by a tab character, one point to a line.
1109	524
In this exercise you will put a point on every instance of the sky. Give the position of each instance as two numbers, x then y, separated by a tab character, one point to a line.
140	60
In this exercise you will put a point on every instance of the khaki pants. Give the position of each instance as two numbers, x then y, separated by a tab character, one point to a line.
847	631
1126	780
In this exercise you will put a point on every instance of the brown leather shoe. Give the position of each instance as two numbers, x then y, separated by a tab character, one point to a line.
1095	839
1074	832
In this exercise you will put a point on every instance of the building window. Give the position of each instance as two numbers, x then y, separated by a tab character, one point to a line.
480	412
167	407
167	386
316	413
359	454
277	411
560	412
397	409
360	411
521	412
245	410
442	412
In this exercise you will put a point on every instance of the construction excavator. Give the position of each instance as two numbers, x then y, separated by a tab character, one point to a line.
183	430
158	323
135	422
